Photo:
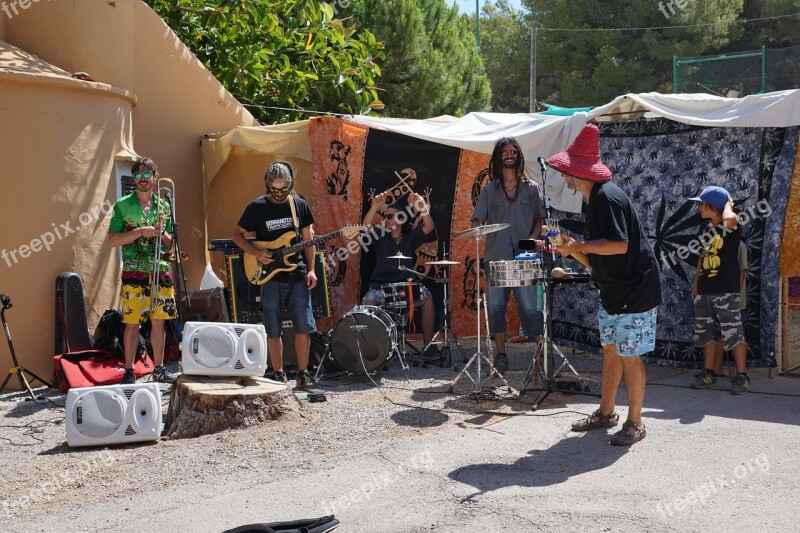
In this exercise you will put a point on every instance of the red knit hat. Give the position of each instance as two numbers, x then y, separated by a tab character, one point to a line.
582	157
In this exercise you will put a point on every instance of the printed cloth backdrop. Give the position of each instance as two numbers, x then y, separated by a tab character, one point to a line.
659	163
353	162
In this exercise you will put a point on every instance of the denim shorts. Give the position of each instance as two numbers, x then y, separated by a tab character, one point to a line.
497	304
276	296
633	333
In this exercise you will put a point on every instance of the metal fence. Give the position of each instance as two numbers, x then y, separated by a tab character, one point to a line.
738	74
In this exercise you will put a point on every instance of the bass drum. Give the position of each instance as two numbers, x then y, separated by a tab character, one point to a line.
366	333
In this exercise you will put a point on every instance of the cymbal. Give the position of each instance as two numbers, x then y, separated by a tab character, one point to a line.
398	256
443	262
481	230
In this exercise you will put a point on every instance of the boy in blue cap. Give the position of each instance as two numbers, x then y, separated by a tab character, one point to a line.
715	291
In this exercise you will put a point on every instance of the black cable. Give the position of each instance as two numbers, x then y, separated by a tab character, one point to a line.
34	427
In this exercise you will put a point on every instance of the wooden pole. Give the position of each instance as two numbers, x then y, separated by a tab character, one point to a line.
784	324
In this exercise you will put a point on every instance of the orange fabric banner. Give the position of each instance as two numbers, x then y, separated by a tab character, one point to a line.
338	162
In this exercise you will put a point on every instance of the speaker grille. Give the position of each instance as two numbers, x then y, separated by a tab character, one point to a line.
98	414
212	347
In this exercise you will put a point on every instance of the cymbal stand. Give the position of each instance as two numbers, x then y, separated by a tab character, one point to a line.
478	356
546	352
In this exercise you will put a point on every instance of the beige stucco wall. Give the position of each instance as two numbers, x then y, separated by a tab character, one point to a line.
126	45
59	139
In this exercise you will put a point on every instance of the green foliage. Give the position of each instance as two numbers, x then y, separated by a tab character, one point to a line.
578	68
432	63
280	53
506	53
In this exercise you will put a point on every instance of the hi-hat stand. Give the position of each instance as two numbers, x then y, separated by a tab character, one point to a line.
449	339
20	371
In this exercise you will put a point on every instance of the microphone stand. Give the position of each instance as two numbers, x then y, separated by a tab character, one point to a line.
179	273
547	350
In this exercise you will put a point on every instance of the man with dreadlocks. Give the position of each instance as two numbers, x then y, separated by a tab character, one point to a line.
270	217
509	197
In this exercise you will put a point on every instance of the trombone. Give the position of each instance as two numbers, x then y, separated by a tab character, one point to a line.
169	193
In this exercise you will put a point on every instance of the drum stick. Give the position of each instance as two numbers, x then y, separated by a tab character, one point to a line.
403	181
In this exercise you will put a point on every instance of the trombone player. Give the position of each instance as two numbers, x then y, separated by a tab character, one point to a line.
140	223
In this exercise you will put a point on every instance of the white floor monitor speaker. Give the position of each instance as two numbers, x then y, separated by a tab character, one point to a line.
218	349
113	414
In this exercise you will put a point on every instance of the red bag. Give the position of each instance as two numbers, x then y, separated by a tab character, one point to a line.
94	367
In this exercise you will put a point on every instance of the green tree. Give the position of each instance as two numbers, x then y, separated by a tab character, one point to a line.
506	54
432	63
280	53
576	67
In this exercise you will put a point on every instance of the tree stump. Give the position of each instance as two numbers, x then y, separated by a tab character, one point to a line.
199	405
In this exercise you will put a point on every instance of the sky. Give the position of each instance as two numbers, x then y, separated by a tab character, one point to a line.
468	6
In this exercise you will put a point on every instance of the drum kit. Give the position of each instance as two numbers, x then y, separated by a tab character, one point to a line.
366	338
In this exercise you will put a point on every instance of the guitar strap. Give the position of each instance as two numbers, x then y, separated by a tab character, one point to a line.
295	221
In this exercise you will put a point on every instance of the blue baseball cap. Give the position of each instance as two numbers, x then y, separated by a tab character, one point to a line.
713	196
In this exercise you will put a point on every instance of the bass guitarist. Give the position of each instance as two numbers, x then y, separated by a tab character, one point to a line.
271	217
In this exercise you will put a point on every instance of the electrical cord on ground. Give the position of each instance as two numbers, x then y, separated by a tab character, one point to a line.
33	428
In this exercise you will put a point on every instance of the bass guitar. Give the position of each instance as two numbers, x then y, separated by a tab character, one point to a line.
283	251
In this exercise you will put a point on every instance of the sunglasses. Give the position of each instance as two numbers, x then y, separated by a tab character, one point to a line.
275	190
146	175
510	152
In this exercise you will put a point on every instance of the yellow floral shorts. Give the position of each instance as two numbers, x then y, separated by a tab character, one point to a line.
136	304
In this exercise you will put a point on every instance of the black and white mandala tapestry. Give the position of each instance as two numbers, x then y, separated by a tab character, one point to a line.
660	164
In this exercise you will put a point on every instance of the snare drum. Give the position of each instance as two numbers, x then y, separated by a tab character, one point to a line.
396	295
366	333
516	273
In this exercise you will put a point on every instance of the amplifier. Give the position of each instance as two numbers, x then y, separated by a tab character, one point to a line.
246	297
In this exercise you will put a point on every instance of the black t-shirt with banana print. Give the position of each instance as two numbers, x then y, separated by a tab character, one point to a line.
719	260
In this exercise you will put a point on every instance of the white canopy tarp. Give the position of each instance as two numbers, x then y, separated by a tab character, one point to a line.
538	135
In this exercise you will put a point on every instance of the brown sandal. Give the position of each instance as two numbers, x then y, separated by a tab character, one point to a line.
624	438
596	421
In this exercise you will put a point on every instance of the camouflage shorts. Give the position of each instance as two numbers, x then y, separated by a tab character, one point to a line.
718	315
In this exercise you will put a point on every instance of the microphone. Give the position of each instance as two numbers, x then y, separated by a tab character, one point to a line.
540	159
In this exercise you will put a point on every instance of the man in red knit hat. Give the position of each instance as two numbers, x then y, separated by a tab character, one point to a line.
627	274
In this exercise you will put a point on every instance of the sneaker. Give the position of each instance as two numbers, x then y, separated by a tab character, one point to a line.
705	381
304	380
624	437
163	375
431	354
129	377
741	384
501	363
280	377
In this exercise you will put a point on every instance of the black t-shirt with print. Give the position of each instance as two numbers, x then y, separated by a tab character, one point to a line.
629	282
719	261
271	221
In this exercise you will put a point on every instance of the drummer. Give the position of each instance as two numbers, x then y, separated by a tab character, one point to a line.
399	238
509	197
